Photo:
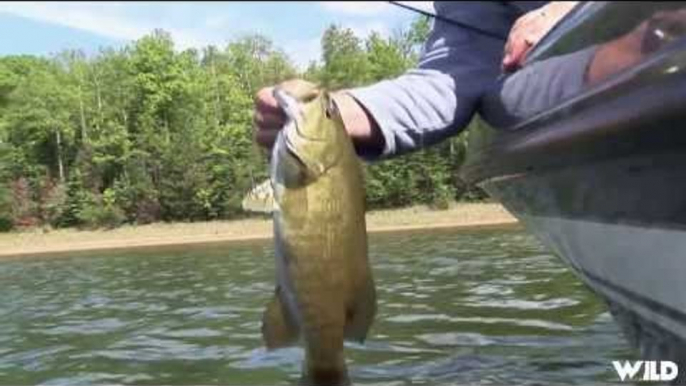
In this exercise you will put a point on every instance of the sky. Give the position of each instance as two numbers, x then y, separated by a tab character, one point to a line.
42	28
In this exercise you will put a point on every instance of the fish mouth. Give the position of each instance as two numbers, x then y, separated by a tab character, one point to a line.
288	146
294	139
293	110
291	148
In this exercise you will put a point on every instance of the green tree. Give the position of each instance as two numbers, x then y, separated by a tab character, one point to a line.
256	63
145	133
345	62
40	122
386	58
6	216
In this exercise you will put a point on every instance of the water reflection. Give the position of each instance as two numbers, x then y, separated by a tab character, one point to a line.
487	307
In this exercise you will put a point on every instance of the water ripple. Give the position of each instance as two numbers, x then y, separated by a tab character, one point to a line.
488	307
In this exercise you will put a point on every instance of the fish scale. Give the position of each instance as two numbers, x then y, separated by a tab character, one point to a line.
325	290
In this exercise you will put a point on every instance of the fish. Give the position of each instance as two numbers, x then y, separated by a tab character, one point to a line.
325	292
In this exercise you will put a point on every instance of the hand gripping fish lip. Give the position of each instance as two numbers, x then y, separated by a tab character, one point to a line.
293	110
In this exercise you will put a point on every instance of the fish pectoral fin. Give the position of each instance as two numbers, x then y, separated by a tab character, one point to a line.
360	316
277	330
260	198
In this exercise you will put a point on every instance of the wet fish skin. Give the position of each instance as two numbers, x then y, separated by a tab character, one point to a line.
325	291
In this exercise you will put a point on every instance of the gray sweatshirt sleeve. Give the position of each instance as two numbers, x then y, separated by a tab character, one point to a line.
439	97
414	110
537	87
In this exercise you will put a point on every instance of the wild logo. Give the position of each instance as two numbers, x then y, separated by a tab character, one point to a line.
652	370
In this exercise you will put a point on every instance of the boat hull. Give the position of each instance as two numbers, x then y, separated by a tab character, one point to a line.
638	267
599	174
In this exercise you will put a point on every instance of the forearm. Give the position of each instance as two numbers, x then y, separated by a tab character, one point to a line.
412	111
535	88
360	125
438	98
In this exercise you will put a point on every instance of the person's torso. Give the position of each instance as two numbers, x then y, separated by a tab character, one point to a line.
496	17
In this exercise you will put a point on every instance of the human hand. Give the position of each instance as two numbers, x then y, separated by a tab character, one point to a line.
529	29
269	117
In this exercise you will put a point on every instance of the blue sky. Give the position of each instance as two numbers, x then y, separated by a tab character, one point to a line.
47	27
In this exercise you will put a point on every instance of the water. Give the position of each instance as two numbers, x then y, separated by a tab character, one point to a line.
489	307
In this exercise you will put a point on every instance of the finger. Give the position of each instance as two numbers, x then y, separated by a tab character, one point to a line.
268	120
524	34
266	103
512	59
508	48
266	138
507	52
512	51
514	41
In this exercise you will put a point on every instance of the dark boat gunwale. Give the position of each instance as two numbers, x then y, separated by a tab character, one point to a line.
618	106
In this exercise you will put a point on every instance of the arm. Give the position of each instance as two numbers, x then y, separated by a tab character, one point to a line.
438	98
395	116
426	104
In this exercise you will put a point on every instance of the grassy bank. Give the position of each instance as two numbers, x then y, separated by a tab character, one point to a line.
37	241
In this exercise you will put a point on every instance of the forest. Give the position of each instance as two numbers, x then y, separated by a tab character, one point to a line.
145	132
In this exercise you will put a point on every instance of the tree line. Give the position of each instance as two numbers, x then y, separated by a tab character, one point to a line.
147	133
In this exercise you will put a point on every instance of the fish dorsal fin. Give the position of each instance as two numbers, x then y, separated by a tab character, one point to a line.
260	198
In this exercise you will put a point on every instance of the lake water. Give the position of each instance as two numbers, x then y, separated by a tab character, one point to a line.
487	306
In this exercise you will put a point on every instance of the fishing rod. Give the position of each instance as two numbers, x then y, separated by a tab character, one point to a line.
450	21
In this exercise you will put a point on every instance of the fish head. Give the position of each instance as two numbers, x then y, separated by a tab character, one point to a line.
314	133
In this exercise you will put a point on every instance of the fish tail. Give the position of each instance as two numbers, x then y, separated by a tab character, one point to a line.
320	374
324	357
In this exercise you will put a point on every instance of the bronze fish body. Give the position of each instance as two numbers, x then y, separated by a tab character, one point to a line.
325	291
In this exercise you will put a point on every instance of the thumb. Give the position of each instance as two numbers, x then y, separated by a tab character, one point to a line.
515	56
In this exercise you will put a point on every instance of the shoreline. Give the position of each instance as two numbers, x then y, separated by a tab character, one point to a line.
160	235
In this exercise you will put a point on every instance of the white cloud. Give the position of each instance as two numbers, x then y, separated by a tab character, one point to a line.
111	19
132	20
101	18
